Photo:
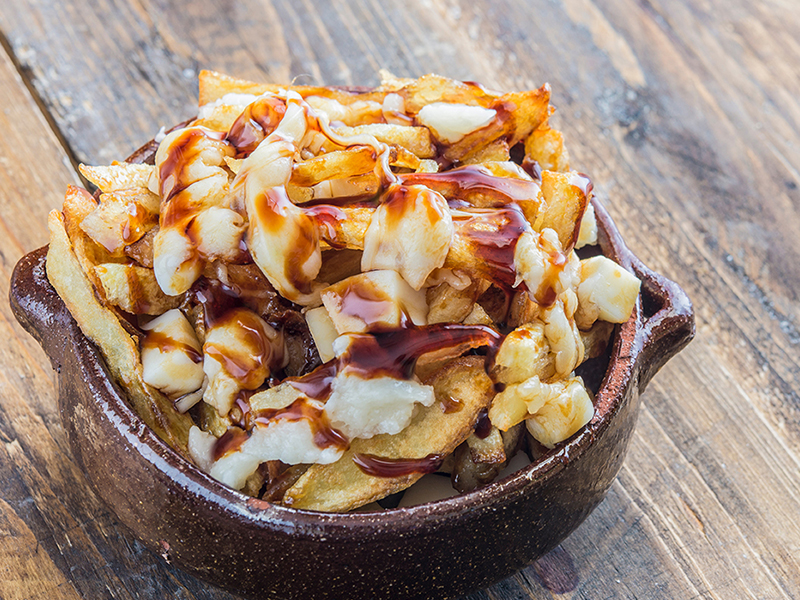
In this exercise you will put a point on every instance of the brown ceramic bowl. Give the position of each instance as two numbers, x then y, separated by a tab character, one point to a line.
437	550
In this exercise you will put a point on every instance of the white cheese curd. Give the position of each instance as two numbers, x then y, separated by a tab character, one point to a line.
539	262
606	291
410	233
362	408
565	411
170	355
291	442
237	356
563	336
587	235
323	331
450	122
524	352
201	448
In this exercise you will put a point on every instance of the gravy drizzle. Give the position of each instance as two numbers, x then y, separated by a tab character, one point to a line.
379	466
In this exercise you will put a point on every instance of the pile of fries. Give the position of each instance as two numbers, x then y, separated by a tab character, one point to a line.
318	295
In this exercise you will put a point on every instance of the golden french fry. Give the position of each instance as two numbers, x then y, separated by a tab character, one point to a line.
79	204
528	110
339	164
497	151
427	165
518	114
354	113
211	421
357	186
121	218
339	264
252	487
488	449
523	309
446	304
546	147
478	316
416	140
342	485
479	461
134	289
118	176
299	194
565	202
282	481
214	85
221	117
435	88
400	157
102	326
142	250
392	83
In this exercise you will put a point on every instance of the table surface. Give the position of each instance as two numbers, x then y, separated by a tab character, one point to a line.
685	114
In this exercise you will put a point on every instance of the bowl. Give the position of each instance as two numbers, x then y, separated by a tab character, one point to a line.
441	549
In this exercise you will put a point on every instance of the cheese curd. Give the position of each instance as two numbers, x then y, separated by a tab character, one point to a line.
238	351
410	232
171	355
362	408
450	122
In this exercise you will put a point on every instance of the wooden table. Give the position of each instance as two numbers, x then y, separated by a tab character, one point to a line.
686	115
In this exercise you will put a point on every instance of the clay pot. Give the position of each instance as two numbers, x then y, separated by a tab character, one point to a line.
437	550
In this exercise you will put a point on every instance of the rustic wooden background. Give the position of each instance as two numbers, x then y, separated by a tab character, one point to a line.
685	113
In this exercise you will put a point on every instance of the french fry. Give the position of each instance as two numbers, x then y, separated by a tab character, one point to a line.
142	250
221	117
518	114
118	176
434	88
342	485
211	421
134	289
523	309
102	326
121	218
488	449
497	151
416	140
79	204
478	461
478	316
446	304
339	164
546	147
565	203
214	85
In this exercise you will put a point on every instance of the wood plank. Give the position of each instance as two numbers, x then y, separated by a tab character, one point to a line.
685	115
56	539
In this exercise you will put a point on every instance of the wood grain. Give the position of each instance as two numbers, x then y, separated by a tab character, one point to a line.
685	114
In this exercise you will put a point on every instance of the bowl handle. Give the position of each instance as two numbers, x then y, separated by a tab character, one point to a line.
667	325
